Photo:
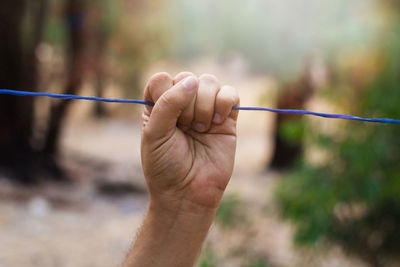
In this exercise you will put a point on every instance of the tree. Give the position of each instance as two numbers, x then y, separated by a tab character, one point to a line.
289	128
22	27
76	22
88	26
18	70
353	199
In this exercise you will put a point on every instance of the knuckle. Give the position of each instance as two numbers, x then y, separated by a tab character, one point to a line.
184	74
230	96
181	76
161	76
160	79
209	78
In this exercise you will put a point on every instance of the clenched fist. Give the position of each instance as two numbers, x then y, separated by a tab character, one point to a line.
189	139
188	151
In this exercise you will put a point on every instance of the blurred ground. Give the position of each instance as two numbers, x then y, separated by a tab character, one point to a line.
93	221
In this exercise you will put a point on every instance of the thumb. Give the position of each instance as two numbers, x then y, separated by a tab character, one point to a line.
169	107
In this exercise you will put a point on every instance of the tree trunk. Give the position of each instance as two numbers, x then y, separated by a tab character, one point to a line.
294	96
75	17
15	112
18	70
99	71
99	109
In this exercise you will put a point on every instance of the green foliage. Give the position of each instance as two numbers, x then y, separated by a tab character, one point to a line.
207	258
55	28
110	12
292	131
233	219
353	199
228	213
55	32
258	262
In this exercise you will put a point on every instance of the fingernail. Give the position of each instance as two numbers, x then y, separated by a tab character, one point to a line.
190	83
200	127
217	118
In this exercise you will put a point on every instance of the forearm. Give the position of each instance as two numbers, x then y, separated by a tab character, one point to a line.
171	237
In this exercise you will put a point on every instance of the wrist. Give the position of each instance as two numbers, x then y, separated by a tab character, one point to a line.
205	199
182	215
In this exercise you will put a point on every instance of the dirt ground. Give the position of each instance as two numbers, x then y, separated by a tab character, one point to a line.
93	221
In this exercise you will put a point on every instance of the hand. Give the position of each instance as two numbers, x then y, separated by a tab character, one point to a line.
188	150
188	140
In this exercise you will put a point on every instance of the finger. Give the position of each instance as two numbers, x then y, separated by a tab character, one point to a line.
155	87
168	108
182	75
186	118
226	99
205	101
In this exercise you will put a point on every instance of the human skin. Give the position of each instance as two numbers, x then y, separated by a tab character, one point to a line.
188	150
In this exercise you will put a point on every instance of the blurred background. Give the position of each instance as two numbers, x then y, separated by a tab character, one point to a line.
305	191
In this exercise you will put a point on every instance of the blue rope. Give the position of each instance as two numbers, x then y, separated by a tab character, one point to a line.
65	96
114	100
